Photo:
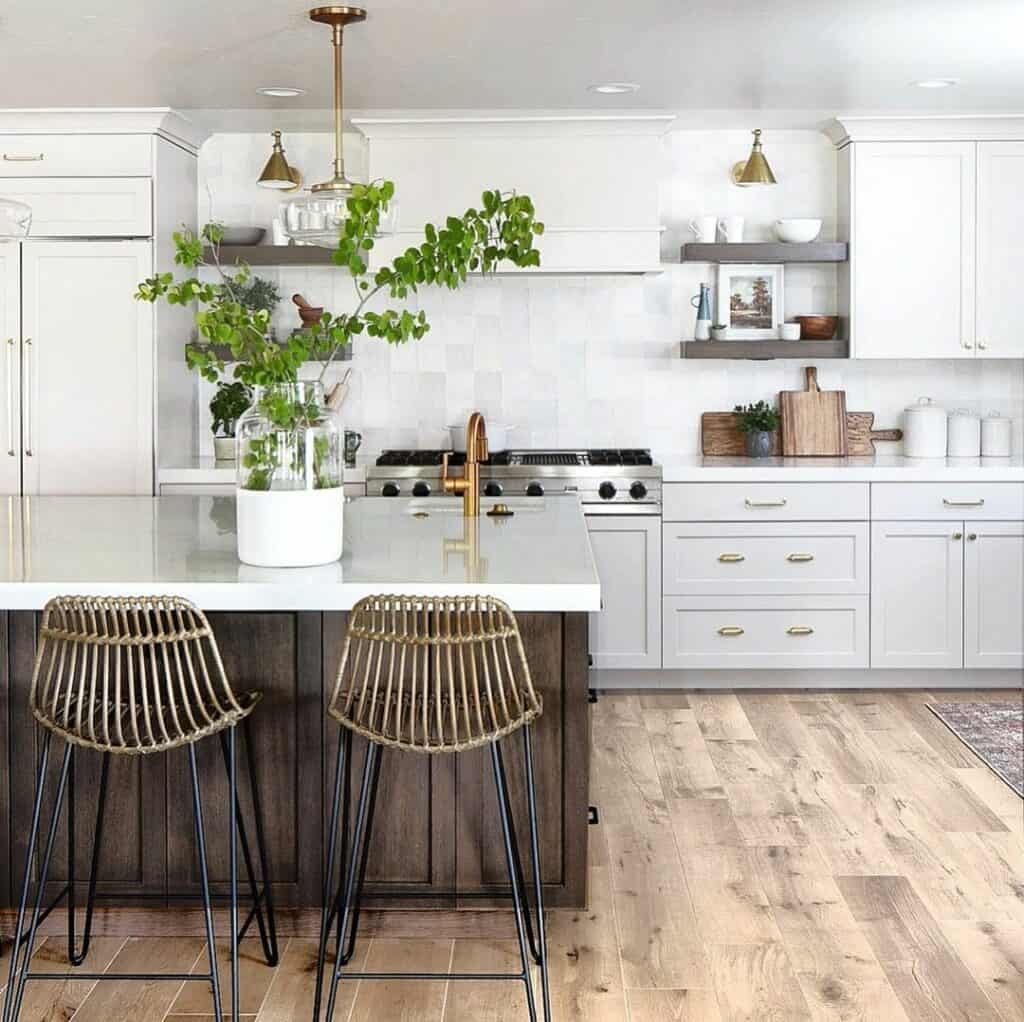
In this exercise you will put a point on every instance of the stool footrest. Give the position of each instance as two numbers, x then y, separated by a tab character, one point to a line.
517	976
139	977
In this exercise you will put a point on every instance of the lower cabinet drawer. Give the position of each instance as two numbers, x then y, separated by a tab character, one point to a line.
795	558
765	502
745	632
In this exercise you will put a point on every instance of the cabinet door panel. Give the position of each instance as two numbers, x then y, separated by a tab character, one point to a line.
994	595
913	256
917	572
1000	214
88	368
10	366
627	631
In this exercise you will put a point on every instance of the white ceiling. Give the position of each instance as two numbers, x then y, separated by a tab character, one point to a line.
825	55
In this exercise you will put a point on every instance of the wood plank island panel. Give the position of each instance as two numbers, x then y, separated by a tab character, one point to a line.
433	811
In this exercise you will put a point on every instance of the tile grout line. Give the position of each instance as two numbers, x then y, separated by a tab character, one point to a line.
448	983
97	982
282	951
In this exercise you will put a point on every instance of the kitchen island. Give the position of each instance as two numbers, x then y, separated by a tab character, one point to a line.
280	631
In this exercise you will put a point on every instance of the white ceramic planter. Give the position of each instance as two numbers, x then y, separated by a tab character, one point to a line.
224	448
290	528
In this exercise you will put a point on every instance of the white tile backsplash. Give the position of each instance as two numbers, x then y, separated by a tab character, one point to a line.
589	361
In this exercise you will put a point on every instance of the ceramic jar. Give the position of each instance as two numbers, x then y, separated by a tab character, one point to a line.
996	436
963	434
924	430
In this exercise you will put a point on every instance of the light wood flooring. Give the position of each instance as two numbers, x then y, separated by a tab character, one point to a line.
801	856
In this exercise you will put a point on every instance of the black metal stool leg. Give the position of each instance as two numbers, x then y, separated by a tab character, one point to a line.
538	884
75	956
72	856
44	869
518	894
233	865
204	878
330	903
33	835
357	861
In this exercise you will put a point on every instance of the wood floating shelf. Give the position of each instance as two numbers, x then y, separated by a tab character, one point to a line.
764	350
765	252
314	255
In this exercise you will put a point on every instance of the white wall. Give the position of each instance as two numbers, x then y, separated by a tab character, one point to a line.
594	361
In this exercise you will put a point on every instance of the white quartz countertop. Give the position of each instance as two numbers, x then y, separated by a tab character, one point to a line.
208	471
882	468
538	560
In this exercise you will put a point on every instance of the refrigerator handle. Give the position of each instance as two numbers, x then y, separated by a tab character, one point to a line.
28	397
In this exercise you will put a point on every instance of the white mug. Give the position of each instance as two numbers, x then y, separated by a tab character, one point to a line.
731	228
704	228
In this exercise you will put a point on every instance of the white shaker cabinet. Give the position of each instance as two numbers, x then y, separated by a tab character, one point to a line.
10	389
917	575
912	257
626	633
87	368
1000	247
994	595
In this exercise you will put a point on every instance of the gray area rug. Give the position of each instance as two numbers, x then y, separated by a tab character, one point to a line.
994	731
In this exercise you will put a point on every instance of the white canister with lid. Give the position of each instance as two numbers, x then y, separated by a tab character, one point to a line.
964	434
996	436
924	430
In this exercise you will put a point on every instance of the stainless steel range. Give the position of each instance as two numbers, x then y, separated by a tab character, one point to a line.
619	481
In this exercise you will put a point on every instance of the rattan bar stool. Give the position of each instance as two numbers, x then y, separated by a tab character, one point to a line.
429	675
134	676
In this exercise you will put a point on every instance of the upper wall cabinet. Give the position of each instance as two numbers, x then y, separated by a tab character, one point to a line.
594	181
931	218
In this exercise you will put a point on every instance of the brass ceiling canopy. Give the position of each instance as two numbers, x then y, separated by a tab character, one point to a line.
337	16
756	170
278	172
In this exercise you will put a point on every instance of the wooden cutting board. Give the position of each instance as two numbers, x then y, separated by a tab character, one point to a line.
861	436
721	436
813	420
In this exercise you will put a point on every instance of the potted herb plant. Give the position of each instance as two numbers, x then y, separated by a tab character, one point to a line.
289	475
759	422
229	403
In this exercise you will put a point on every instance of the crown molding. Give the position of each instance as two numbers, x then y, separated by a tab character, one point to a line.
926	128
513	126
161	121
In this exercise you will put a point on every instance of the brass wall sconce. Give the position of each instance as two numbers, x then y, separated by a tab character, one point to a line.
755	170
278	172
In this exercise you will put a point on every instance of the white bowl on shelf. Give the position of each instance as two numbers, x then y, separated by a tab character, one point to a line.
797	230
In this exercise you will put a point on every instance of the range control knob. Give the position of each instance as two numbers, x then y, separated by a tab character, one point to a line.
606	491
534	490
493	489
421	489
390	490
638	491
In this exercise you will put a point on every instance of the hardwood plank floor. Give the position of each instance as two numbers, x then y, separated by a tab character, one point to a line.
784	857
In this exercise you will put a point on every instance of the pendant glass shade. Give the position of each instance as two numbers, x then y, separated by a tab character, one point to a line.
278	173
15	220
756	170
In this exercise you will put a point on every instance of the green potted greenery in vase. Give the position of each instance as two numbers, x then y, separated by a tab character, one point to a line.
290	505
758	422
228	405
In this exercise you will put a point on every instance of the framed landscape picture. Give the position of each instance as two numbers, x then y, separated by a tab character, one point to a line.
750	300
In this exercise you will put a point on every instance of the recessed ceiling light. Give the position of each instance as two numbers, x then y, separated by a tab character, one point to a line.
936	83
281	91
614	88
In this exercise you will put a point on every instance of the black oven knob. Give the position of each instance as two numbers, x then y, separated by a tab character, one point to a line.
390	490
638	491
493	489
534	490
606	491
421	489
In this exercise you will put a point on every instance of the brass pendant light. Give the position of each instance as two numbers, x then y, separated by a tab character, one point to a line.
278	172
755	171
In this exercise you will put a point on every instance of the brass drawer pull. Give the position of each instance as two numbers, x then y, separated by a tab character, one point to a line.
799	630
19	158
755	505
730	631
980	502
799	558
731	558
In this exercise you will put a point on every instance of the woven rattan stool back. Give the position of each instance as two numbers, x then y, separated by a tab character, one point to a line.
433	674
131	674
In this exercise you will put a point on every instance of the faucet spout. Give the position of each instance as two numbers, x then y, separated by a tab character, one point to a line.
468	484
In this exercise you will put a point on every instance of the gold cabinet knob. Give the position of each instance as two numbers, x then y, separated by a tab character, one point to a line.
958	535
972	536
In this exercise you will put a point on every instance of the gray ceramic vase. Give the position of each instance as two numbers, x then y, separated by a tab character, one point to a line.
759	444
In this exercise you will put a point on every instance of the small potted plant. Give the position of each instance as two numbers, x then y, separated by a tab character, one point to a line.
720	332
226	408
759	422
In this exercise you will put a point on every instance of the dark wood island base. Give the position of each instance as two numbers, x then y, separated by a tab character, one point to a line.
436	828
